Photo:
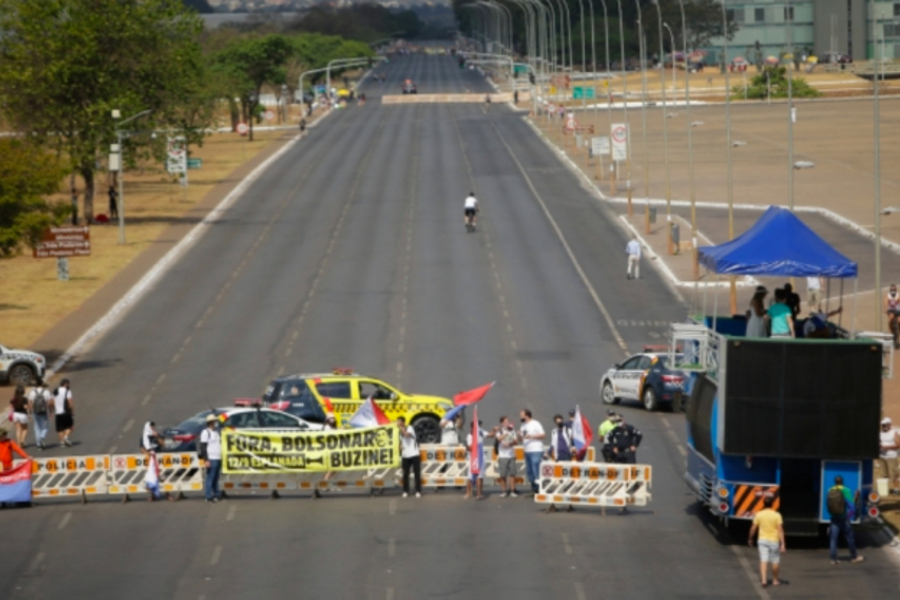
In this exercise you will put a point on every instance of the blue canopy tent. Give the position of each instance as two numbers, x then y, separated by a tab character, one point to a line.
778	245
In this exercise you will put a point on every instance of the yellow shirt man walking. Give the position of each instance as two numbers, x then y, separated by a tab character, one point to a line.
771	540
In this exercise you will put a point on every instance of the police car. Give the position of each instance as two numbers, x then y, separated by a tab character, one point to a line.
311	396
20	367
644	377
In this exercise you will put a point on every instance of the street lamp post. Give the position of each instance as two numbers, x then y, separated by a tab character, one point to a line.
789	16
642	57
730	180
119	132
625	108
665	119
687	104
879	314
672	45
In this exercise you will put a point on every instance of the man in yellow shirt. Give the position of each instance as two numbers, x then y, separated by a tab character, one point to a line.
771	540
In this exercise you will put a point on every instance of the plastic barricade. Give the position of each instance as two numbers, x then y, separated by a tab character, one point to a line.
275	483
594	484
443	466
69	476
492	464
178	472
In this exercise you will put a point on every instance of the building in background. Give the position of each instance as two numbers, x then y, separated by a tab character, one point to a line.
861	29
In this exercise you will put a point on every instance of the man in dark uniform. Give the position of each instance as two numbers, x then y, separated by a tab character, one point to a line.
624	441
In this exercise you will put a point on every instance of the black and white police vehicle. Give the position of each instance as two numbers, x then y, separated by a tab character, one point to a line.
20	367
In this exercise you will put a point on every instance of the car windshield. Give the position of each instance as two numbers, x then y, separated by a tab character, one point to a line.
198	421
664	360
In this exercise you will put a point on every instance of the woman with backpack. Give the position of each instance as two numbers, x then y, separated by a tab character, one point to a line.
19	414
39	404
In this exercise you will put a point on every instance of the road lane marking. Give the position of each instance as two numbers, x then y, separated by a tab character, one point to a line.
231	511
392	547
161	378
112	449
36	562
65	521
389	593
146	398
752	573
565	541
217	554
128	425
392	507
665	421
562	238
579	591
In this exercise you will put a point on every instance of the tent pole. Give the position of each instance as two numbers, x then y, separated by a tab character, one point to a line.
853	320
840	305
716	304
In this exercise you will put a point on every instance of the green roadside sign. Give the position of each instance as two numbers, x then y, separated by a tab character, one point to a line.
521	68
195	163
579	92
589	93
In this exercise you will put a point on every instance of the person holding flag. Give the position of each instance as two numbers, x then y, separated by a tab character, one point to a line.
369	415
561	441
475	445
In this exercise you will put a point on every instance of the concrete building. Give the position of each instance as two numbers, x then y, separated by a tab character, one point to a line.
862	29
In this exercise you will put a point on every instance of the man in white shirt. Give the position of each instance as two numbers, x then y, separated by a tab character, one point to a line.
471	210
65	413
532	434
211	454
633	250
410	457
814	293
890	444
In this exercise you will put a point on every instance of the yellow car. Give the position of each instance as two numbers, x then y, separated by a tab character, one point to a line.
310	396
343	93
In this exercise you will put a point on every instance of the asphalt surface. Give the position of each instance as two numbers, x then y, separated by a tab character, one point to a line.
351	251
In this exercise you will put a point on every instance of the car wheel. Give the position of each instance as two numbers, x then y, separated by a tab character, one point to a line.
649	398
428	430
606	392
21	375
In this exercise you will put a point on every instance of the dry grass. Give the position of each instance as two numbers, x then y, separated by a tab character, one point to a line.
32	300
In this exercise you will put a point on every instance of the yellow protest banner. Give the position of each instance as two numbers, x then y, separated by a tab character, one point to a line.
249	451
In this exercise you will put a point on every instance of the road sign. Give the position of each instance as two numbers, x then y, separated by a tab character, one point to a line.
521	68
59	242
599	145
195	163
269	115
176	155
570	121
552	90
619	134
242	128
589	92
577	92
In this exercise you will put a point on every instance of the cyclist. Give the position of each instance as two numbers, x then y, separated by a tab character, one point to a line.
471	211
892	308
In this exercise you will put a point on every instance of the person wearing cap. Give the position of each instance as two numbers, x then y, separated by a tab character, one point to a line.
890	443
211	455
606	427
756	315
7	448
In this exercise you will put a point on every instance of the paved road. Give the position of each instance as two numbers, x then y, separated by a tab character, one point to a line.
351	251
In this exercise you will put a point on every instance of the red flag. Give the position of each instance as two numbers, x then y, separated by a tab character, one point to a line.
472	396
369	415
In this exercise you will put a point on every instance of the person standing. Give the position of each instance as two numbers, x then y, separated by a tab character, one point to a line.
302	127
780	315
113	202
892	310
842	509
7	449
506	457
606	427
410	457
890	443
211	455
792	300
19	404
532	434
65	412
561	441
39	403
770	525
814	293
633	250
756	316
624	441
475	480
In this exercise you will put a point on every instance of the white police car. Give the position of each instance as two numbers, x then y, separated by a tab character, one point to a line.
644	377
20	367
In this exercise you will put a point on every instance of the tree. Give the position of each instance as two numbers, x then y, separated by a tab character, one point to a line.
773	83
27	174
704	22
250	63
130	55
